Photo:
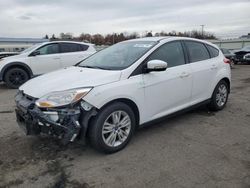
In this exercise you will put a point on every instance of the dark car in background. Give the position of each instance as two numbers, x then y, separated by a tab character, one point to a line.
242	55
7	54
228	54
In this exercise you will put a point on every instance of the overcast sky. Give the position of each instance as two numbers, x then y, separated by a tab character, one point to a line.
34	18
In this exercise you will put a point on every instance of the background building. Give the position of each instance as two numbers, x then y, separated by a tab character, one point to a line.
232	44
18	44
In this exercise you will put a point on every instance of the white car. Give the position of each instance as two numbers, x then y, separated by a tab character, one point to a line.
42	58
108	95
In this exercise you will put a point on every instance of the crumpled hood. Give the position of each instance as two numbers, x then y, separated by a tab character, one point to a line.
68	78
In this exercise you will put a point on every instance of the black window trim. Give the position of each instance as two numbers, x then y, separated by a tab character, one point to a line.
44	46
140	68
188	55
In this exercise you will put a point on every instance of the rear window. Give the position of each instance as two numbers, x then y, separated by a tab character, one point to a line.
197	51
213	51
84	47
71	47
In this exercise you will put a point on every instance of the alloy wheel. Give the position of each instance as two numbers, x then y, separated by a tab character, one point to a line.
116	128
221	95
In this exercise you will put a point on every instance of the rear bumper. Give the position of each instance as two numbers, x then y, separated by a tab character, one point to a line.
66	124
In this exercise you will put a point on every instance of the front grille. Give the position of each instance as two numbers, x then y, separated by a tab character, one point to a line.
239	56
24	101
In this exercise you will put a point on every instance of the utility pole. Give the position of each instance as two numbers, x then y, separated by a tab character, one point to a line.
202	30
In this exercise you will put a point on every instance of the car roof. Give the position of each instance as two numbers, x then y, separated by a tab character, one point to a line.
165	38
172	38
60	41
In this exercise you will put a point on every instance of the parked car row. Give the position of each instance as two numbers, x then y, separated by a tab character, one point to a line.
238	56
128	85
242	55
7	54
42	58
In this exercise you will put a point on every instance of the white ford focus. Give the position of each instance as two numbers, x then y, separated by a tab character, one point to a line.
111	93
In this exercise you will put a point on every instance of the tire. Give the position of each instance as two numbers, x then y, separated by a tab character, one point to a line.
101	135
219	97
15	77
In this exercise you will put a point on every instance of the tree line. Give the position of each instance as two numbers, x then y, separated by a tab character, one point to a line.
109	39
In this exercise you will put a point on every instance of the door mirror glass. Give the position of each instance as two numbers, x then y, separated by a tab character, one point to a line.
35	53
156	65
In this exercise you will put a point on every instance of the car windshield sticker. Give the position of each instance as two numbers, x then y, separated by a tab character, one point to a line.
142	45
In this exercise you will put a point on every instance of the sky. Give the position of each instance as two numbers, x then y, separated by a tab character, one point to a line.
36	18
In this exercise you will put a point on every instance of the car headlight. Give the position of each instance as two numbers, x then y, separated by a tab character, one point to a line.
62	98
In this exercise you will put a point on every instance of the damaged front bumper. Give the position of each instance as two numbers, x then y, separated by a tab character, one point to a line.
67	123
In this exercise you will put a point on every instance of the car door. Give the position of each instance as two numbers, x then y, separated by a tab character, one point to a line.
45	59
170	90
203	70
71	53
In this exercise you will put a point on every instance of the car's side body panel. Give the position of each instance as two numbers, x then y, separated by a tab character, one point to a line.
149	91
41	64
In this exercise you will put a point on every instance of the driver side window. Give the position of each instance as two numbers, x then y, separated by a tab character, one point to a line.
171	52
49	49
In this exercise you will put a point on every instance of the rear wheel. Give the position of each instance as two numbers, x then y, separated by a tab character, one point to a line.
15	77
219	97
113	128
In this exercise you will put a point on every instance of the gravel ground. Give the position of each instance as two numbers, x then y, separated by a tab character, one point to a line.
196	149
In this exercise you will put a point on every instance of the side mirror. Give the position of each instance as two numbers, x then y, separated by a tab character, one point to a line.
156	65
35	53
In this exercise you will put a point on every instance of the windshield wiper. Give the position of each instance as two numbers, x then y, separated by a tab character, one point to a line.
93	67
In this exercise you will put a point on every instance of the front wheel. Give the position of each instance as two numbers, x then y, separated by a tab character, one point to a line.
113	128
15	77
219	97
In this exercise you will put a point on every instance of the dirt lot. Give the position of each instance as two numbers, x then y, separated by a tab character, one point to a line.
196	149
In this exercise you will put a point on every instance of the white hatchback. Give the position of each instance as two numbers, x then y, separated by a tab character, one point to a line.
42	58
106	96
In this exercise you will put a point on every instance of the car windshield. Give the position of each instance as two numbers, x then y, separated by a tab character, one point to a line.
225	51
118	56
30	48
246	48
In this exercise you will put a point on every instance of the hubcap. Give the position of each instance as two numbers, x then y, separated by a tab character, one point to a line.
17	78
116	128
221	95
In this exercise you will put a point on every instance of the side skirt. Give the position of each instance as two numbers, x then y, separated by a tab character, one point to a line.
158	120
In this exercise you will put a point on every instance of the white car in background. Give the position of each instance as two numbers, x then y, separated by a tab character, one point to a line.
106	96
42	58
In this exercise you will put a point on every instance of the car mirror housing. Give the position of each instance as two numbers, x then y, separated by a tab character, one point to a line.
156	65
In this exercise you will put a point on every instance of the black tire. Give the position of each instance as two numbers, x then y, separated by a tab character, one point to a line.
213	105
15	77
96	127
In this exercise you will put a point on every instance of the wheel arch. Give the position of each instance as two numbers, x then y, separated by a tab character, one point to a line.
14	65
128	102
227	81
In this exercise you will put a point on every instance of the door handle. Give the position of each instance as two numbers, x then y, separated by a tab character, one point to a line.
56	58
184	74
214	66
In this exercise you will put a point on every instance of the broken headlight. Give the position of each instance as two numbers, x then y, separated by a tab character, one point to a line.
62	98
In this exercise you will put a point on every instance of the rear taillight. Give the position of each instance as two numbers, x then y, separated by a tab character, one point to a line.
226	60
